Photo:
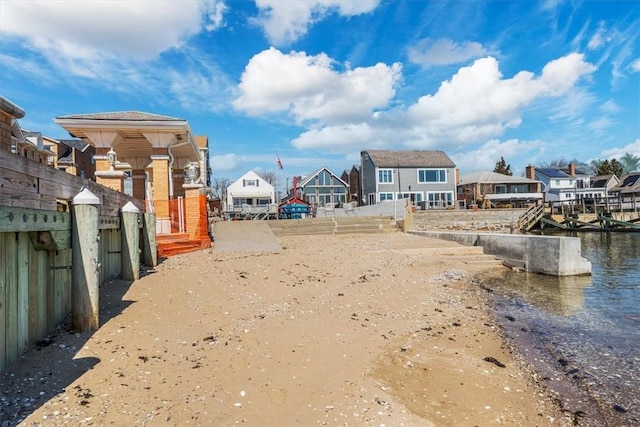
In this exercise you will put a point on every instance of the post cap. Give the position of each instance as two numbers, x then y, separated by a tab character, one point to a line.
86	197
130	208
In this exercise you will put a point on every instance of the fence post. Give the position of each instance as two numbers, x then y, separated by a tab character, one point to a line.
130	242
85	250
149	249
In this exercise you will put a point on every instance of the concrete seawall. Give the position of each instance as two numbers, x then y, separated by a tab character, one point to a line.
551	255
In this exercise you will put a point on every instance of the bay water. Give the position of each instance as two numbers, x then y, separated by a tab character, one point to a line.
582	333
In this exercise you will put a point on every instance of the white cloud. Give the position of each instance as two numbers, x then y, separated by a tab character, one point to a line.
430	52
88	30
635	65
610	107
286	21
485	156
599	38
617	152
309	89
476	104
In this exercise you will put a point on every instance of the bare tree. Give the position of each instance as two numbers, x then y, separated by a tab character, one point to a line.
219	187
269	176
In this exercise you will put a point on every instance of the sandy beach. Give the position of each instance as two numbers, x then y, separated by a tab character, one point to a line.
353	330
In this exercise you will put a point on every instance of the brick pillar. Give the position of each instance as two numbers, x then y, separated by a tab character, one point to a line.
139	181
104	174
160	181
192	211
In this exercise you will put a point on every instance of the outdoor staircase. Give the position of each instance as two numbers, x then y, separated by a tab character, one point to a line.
333	225
531	217
179	243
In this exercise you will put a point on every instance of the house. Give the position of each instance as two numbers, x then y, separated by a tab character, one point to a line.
352	178
628	190
165	161
491	189
75	157
426	177
17	141
249	193
572	186
323	188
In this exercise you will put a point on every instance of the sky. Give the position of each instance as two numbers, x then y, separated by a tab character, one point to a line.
315	82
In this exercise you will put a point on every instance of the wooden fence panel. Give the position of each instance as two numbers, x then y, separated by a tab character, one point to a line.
23	291
11	297
3	303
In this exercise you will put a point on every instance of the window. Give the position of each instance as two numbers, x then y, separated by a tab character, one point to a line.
249	182
520	188
386	196
414	197
439	200
501	189
432	175
385	176
324	178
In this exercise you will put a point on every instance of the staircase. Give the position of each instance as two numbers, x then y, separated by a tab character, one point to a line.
531	217
330	225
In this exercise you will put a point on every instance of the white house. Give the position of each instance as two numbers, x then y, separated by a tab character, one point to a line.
249	193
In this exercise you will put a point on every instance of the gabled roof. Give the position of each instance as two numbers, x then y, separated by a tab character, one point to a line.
601	181
410	158
630	183
120	115
78	144
486	177
308	178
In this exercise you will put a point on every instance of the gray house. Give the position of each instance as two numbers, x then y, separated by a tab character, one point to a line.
427	178
323	188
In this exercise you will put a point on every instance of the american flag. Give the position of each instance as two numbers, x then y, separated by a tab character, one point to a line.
278	162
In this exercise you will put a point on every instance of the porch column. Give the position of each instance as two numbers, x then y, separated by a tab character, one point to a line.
195	213
105	172
139	184
160	181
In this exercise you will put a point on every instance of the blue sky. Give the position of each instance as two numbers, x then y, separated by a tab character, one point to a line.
318	81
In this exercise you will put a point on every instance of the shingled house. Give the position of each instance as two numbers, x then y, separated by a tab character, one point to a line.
427	178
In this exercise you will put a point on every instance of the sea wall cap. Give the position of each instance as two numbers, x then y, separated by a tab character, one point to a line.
130	208
86	197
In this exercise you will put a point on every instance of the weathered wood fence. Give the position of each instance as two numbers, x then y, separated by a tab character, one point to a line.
37	273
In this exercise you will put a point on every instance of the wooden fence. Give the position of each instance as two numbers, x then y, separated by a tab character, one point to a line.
36	253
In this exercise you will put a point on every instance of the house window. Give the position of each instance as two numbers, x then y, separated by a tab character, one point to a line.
520	188
440	200
324	178
385	196
432	175
501	189
557	182
414	197
249	182
385	176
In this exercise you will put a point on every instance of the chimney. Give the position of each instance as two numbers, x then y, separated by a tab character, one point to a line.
457	175
572	169
530	172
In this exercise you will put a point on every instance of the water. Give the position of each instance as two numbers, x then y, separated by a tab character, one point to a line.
583	333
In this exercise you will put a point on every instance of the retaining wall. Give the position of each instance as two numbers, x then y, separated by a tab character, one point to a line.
496	220
552	255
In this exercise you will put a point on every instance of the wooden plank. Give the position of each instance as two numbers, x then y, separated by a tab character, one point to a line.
23	291
51	288
38	281
20	219
11	299
27	200
3	305
15	183
32	291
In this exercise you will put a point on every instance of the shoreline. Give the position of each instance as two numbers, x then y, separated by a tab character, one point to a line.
351	330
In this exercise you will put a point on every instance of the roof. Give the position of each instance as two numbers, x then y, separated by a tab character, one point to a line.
78	144
630	183
553	173
600	181
486	177
410	158
10	108
303	182
121	115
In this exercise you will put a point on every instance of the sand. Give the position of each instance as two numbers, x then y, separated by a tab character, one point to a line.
354	330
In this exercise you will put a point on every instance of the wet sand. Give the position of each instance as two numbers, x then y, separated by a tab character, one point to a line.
354	330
